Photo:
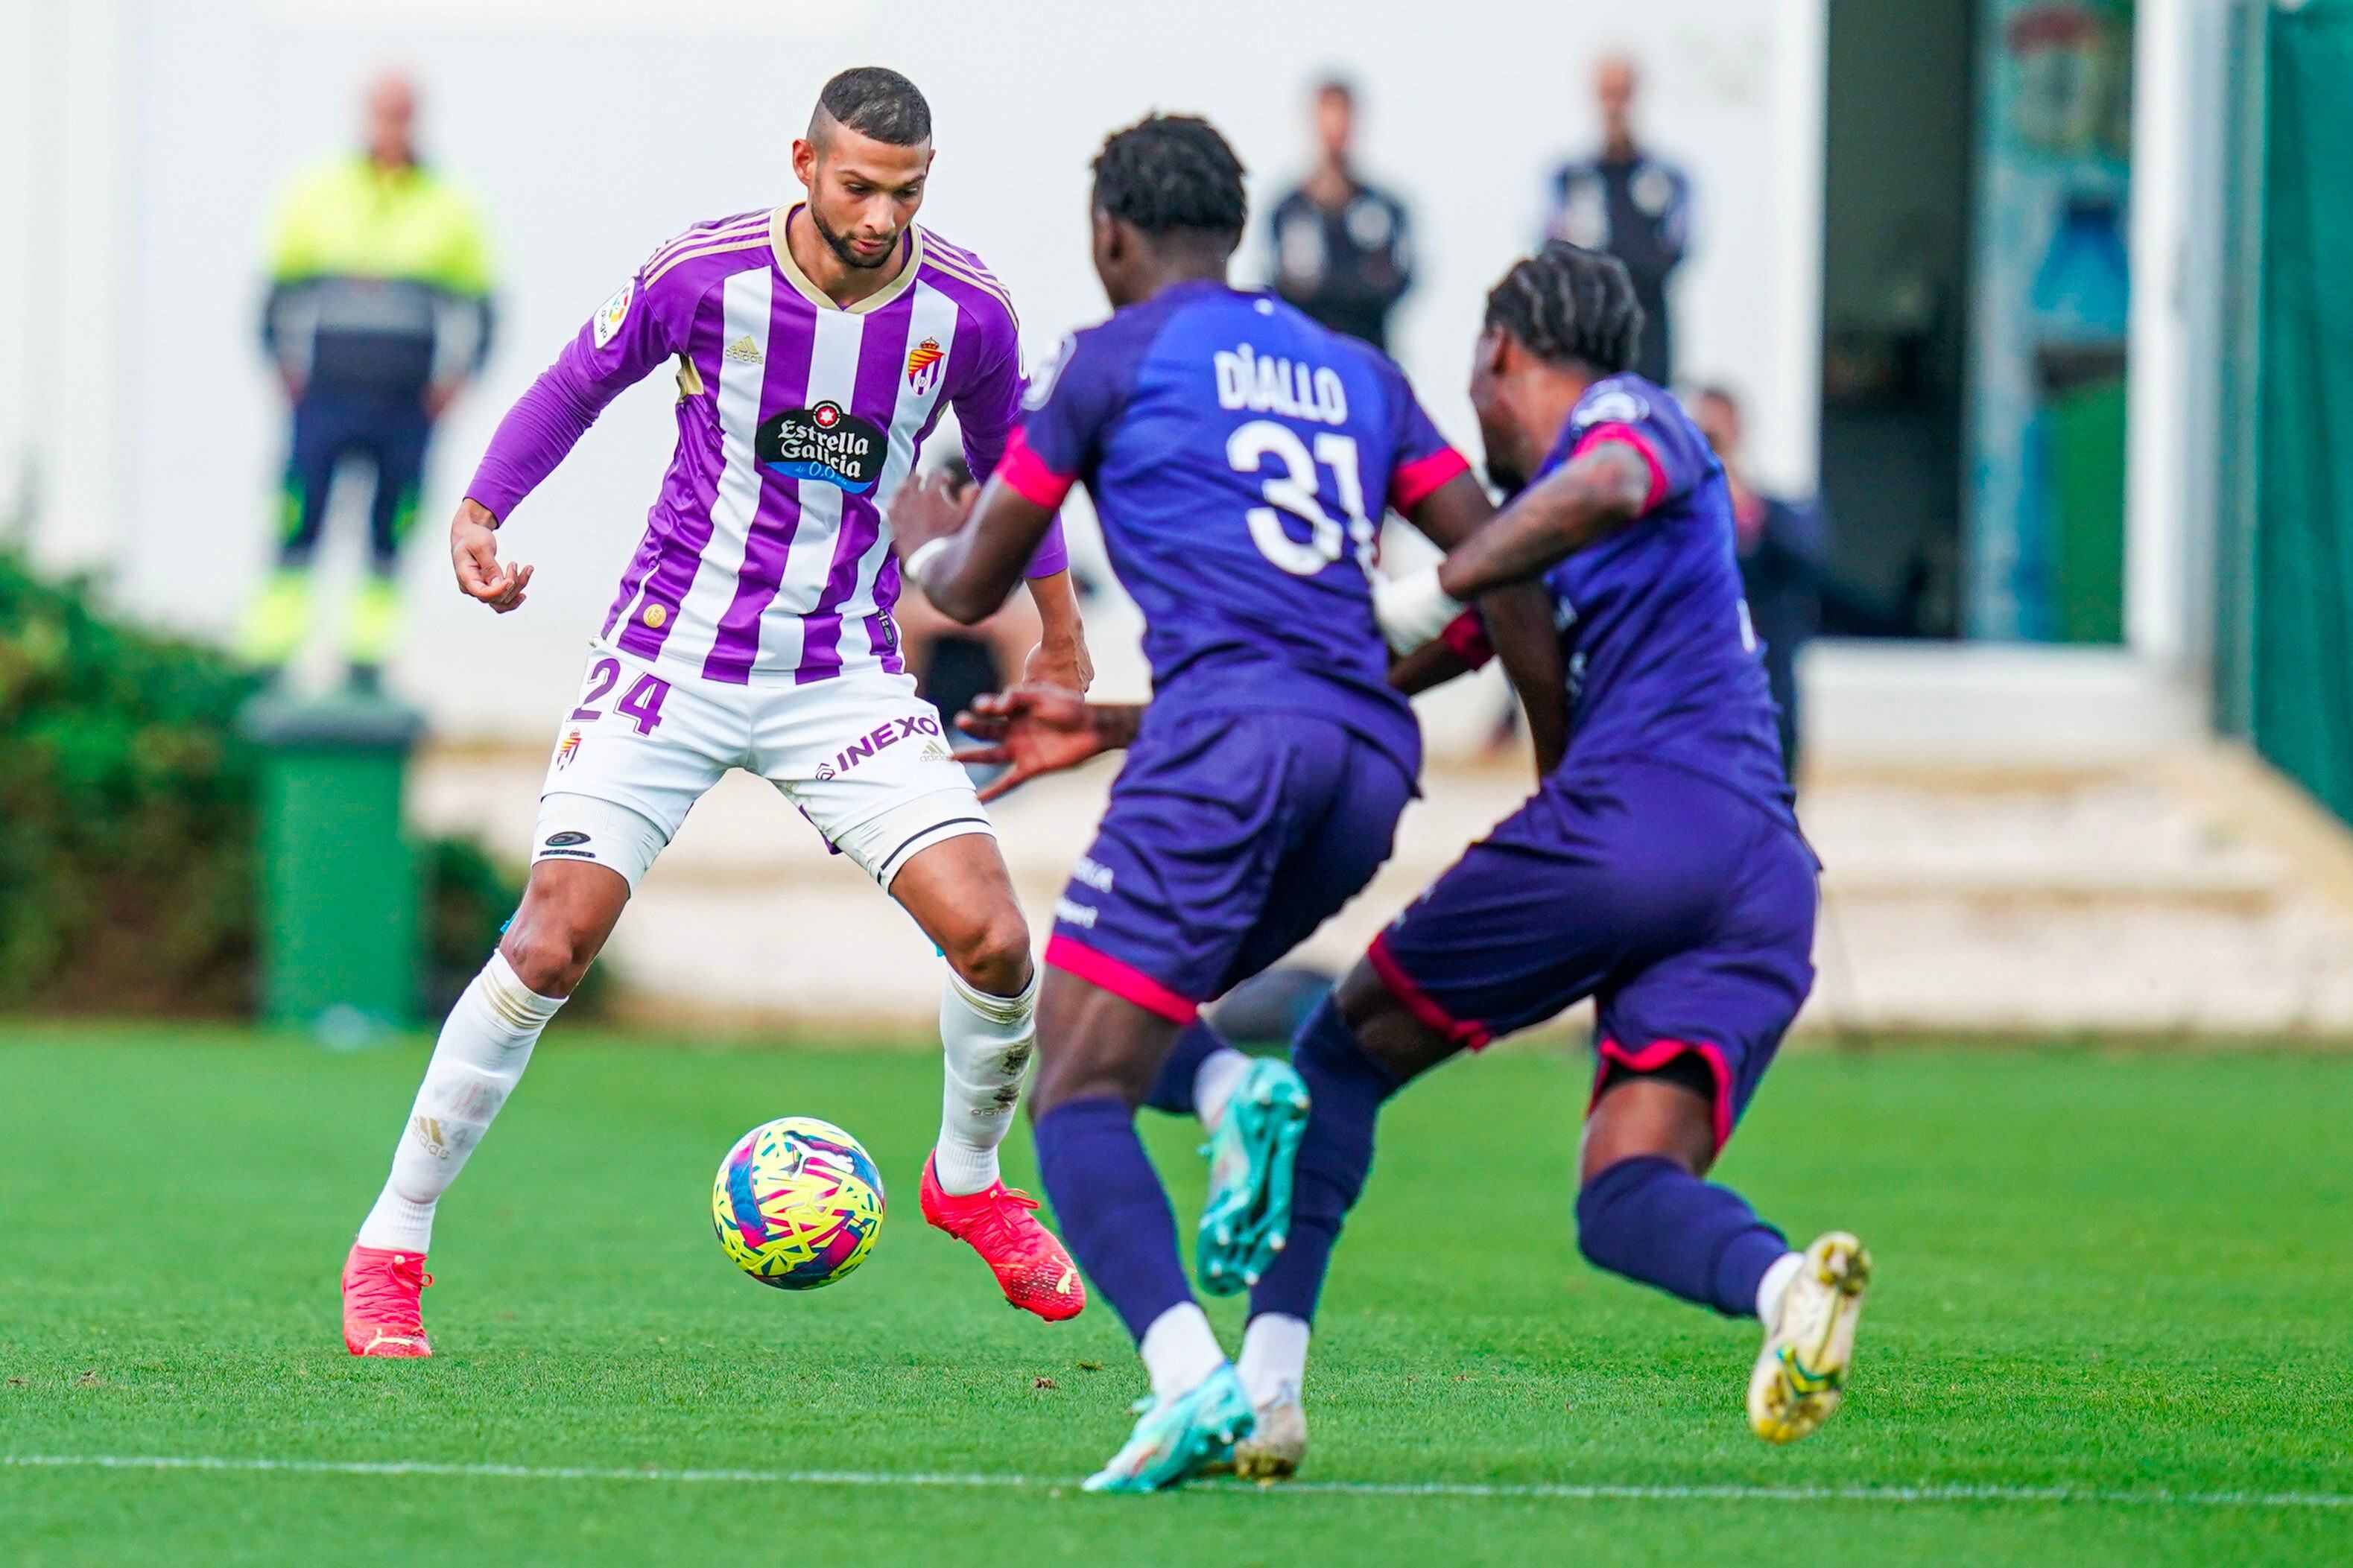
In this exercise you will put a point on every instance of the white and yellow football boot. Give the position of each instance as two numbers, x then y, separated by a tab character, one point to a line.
1277	1445
1802	1371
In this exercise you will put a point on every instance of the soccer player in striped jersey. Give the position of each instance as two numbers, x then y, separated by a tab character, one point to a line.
816	345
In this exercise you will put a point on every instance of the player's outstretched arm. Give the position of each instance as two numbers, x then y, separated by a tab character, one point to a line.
474	555
967	554
1575	506
1060	657
1514	622
1031	730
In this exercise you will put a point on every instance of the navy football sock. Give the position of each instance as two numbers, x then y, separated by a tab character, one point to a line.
1172	1091
1345	1090
1650	1219
1114	1217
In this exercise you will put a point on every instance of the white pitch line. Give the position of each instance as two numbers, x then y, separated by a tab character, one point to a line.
1602	1492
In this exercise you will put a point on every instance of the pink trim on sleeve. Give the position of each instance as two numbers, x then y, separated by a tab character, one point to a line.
1410	484
1626	436
1025	473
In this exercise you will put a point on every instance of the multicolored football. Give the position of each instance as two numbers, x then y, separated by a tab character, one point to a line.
797	1203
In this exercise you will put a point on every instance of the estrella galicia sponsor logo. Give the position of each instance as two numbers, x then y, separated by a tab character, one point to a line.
826	442
881	738
1094	873
1070	912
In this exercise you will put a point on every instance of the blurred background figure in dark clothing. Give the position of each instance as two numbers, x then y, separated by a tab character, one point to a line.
1342	252
1633	205
1781	544
379	313
952	664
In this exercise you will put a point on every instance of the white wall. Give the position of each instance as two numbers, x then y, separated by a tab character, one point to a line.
2180	128
592	133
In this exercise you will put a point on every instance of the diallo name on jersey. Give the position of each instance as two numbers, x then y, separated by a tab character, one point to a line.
1271	386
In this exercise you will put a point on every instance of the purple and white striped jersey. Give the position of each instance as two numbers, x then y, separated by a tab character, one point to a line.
766	555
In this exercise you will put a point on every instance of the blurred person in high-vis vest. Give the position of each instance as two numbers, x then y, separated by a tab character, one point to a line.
379	313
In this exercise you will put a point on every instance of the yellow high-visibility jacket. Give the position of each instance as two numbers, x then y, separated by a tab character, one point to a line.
380	280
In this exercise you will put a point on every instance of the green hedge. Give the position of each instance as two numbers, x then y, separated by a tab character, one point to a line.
127	834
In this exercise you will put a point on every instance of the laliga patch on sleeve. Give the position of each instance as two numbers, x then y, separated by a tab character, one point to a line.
1613	406
1041	385
613	313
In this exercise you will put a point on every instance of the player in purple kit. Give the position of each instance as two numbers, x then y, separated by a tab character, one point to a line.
1239	458
1658	869
815	345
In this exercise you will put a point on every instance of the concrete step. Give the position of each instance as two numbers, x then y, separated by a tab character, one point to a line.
2190	893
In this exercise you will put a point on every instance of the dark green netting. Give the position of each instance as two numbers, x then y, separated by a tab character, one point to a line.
2302	604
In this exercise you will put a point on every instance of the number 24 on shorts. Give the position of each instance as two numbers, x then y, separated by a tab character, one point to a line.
642	703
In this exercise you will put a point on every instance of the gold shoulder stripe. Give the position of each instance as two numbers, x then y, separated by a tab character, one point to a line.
728	230
742	242
961	261
988	285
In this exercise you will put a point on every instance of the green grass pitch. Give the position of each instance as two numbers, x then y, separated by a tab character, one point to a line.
2111	1324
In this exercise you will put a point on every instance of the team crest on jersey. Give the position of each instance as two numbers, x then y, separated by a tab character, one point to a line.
567	750
927	363
826	442
613	313
1613	406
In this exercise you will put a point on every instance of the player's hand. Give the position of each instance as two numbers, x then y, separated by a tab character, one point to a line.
474	553
925	509
1061	662
1030	730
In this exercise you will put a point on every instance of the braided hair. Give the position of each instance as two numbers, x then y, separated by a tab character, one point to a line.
1172	172
1568	304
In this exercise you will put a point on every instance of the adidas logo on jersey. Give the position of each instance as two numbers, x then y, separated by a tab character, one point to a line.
744	351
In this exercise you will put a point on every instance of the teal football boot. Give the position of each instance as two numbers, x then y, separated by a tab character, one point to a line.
1176	1439
1247	1215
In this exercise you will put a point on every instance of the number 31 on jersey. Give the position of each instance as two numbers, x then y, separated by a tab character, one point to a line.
1290	482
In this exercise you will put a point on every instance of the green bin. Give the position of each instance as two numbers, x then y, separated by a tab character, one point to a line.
341	885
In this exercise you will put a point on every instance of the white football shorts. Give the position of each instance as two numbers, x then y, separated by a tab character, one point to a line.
864	759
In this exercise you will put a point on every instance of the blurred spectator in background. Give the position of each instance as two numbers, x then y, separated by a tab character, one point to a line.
1342	253
1781	544
1629	204
379	313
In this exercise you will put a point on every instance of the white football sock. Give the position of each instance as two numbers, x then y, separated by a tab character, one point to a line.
483	1048
1273	1358
1180	1351
1775	1284
988	1041
1214	1083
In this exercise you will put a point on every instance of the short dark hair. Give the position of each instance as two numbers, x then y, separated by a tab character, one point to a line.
878	102
1337	87
1567	303
1170	173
